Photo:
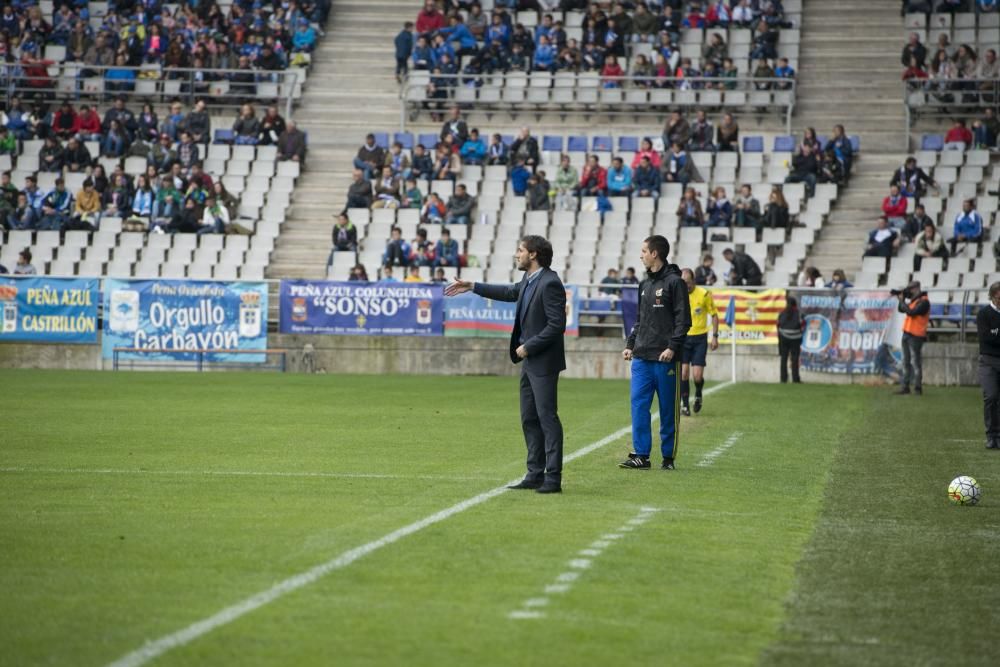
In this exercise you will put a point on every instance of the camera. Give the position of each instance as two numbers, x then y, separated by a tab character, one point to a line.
897	292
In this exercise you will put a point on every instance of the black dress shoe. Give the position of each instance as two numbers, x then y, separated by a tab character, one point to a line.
993	443
549	487
525	484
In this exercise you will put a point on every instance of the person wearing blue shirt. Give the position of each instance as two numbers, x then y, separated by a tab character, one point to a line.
720	210
404	47
498	32
646	180
519	176
56	207
446	250
473	151
544	29
34	195
619	179
423	55
545	55
841	147
968	226
397	251
457	31
304	39
443	48
784	71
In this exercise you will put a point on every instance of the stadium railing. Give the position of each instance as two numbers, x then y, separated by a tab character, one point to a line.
92	84
936	99
568	92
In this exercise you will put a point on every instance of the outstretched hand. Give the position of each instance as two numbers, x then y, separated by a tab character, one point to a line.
458	287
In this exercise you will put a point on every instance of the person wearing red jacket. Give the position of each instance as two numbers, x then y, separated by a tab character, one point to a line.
88	124
959	137
65	121
594	181
429	19
894	207
646	150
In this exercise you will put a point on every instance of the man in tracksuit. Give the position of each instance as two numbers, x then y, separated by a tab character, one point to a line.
654	348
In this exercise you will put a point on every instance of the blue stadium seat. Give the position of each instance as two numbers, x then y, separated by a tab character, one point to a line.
429	140
628	144
381	139
855	143
753	144
577	144
932	142
554	144
603	144
784	143
224	136
821	138
507	139
405	138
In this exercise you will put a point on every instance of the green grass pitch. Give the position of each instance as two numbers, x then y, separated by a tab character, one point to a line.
805	525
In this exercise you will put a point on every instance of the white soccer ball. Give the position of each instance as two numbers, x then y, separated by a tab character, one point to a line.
964	490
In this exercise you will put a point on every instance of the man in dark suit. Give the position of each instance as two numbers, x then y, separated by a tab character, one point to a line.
537	340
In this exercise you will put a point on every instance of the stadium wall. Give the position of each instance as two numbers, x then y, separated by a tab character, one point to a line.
944	363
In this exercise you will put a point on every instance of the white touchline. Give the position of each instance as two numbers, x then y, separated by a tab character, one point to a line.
709	458
232	473
157	647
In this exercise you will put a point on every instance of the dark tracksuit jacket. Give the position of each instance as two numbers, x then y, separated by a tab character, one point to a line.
664	316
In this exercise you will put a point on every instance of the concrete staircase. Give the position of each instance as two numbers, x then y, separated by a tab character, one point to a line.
849	73
351	90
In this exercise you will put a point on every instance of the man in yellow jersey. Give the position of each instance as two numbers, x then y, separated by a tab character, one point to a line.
697	343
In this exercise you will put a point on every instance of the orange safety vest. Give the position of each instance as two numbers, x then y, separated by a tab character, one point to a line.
916	325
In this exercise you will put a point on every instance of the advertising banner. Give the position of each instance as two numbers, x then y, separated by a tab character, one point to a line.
49	310
846	332
176	319
472	316
360	308
756	315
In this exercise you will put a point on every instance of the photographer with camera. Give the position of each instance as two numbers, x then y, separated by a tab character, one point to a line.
913	302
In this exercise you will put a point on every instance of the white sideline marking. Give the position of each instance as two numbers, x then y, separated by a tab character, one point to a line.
709	458
568	577
157	647
579	563
517	614
590	552
536	602
557	588
231	473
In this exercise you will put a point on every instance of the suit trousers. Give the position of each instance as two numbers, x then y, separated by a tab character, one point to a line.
989	380
543	432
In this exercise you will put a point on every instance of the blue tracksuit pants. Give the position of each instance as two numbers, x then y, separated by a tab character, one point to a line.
662	378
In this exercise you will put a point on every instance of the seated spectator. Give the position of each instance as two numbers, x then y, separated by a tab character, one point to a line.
387	190
23	216
704	274
968	226
677	130
765	42
24	267
460	205
421	250
439	276
397	251
76	157
87	212
776	211
168	202
986	129
630	278
645	25
358	274
746	208
246	127
423	55
474	149
8	143
455	127
198	123
989	69
619	179
433	211
894	207
714	50
272	127
646	151
57	207
809	277
916	223
65	121
915	71
162	155
413	275
959	137
914	50
387	276
646	179
720	210
120	78
744	271
809	138
678	167
51	157
689	212
805	168
612	281
519	176
423	164
593	180
447	165
929	243
148	124
359	194
188	152
612	73
497	153
143	199
784	71
537	194
525	148
412	196
882	241
292	143
446	250
345	236
304	39
565	184
397	161
841	146
370	157
702	133
215	217
839	280
727	135
545	56
117	197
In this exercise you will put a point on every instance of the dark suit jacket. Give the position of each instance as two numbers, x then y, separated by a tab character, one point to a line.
544	321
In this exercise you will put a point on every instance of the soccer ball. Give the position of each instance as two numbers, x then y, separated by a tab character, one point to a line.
964	490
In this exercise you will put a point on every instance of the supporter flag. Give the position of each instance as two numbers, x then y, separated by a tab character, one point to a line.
750	317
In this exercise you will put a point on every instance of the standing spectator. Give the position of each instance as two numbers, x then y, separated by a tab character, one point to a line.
359	194
968	226
24	267
446	250
565	182
913	303
370	157
704	274
959	137
790	327
397	251
805	169
460	205
882	241
744	271
292	143
746	208
894	207
988	333
929	243
404	47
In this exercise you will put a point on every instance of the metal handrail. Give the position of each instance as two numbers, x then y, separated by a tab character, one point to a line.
690	91
79	80
952	96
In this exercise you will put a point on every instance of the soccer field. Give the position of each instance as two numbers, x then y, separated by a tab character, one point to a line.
805	525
